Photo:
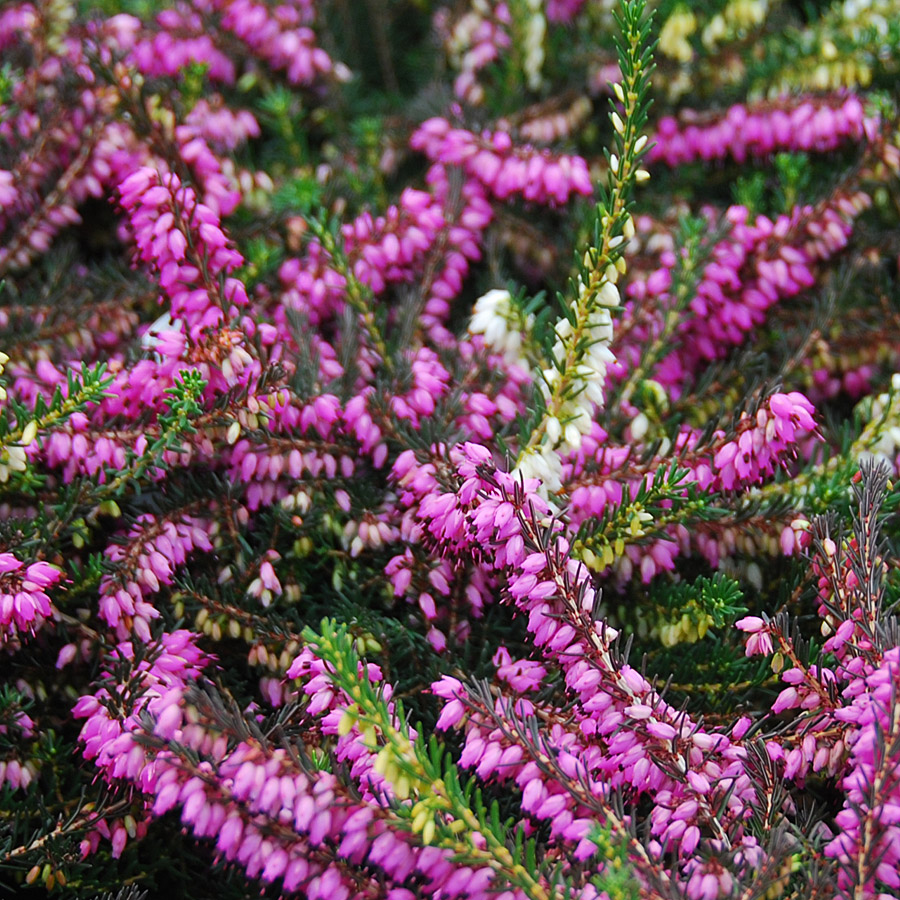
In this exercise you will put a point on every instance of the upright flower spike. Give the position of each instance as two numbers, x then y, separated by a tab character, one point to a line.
429	800
572	383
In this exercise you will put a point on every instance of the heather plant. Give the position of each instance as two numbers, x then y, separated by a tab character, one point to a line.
447	449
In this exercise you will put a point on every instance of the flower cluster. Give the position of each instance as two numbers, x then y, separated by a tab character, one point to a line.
872	785
744	132
24	604
746	262
463	472
282	39
502	168
473	41
152	202
501	325
146	559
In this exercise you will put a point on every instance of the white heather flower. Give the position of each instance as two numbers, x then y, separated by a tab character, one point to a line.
608	296
743	14
715	31
640	424
587	379
463	33
29	433
500	324
12	459
554	430
544	464
574	430
735	19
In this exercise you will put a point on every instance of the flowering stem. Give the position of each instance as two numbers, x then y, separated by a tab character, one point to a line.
603	262
440	810
90	388
84	818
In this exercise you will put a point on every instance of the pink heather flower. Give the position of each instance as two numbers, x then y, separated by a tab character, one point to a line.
563	10
153	550
818	124
284	42
759	264
869	826
24	604
9	563
759	644
168	52
151	200
521	675
501	168
787	699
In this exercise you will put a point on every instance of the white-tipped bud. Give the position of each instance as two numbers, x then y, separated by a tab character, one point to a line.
639	426
573	436
608	295
554	430
29	433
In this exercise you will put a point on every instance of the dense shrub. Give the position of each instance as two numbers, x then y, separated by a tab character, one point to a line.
446	449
